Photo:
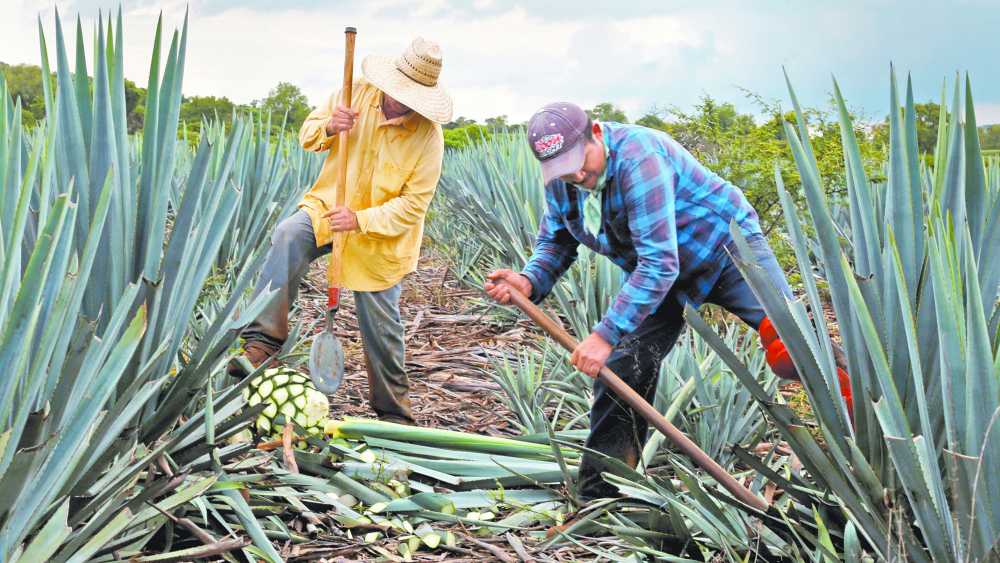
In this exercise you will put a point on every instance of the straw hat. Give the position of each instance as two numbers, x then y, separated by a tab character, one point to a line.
412	78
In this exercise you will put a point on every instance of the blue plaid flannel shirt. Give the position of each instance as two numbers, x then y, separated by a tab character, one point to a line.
664	220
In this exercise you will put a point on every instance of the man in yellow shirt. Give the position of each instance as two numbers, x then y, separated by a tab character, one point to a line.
395	149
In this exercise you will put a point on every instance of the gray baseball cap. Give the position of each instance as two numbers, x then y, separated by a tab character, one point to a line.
556	134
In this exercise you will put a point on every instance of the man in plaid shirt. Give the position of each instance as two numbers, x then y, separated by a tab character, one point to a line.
636	196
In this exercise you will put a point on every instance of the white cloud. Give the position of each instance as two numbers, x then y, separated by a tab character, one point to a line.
658	32
480	55
512	57
987	114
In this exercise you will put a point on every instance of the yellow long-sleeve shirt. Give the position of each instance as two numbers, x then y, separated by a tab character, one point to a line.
393	168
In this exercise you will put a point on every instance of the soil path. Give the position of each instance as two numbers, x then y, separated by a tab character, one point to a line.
449	341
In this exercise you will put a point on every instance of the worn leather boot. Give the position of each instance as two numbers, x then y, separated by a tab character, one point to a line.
256	353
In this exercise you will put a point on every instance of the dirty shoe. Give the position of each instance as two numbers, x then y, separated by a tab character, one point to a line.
256	353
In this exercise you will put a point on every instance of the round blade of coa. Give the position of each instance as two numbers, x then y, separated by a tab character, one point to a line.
326	363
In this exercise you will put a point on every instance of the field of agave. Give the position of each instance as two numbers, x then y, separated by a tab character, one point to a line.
913	274
124	260
112	355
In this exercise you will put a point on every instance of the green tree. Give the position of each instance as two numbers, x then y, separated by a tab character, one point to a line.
712	130
135	106
744	152
495	124
197	107
28	119
928	118
652	120
25	81
607	112
286	97
989	137
462	137
462	121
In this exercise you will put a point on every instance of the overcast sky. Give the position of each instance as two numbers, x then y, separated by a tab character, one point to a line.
512	57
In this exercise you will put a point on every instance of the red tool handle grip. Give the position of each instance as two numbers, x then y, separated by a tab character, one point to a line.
334	302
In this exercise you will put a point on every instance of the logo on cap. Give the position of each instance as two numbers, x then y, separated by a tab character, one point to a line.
548	145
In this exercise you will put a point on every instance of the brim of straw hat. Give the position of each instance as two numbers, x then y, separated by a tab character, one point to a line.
432	102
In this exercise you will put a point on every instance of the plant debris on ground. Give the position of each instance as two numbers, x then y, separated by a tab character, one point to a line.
446	351
449	337
450	334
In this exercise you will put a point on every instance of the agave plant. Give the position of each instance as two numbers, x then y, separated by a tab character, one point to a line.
489	208
542	389
114	361
697	388
913	471
495	187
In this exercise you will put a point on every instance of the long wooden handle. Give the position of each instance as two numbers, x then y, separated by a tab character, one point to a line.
556	331
333	273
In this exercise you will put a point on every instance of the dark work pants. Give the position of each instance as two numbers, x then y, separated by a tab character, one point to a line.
616	429
293	249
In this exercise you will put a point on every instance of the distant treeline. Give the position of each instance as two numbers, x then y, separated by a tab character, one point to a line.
25	82
705	129
711	118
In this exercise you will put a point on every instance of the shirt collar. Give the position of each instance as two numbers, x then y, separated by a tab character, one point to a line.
409	121
603	179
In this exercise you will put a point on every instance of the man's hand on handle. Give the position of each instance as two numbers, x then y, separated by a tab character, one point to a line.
499	292
588	357
342	219
341	120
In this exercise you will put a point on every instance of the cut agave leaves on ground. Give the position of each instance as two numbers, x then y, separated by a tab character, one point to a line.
403	549
427	535
357	428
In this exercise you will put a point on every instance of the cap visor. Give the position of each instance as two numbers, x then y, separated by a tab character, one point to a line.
566	163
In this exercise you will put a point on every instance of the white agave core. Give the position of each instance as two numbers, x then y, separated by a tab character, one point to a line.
318	405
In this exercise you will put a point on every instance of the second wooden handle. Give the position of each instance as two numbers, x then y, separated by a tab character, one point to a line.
556	331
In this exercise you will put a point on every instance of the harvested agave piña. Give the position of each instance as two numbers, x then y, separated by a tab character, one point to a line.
291	395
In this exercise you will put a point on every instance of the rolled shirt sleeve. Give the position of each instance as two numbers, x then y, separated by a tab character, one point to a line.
312	134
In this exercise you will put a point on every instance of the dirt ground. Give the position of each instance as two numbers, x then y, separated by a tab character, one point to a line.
446	350
449	338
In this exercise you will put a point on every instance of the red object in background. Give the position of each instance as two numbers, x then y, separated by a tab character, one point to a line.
780	362
845	392
767	332
782	365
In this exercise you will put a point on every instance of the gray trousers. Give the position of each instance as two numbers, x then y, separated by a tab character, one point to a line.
293	249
